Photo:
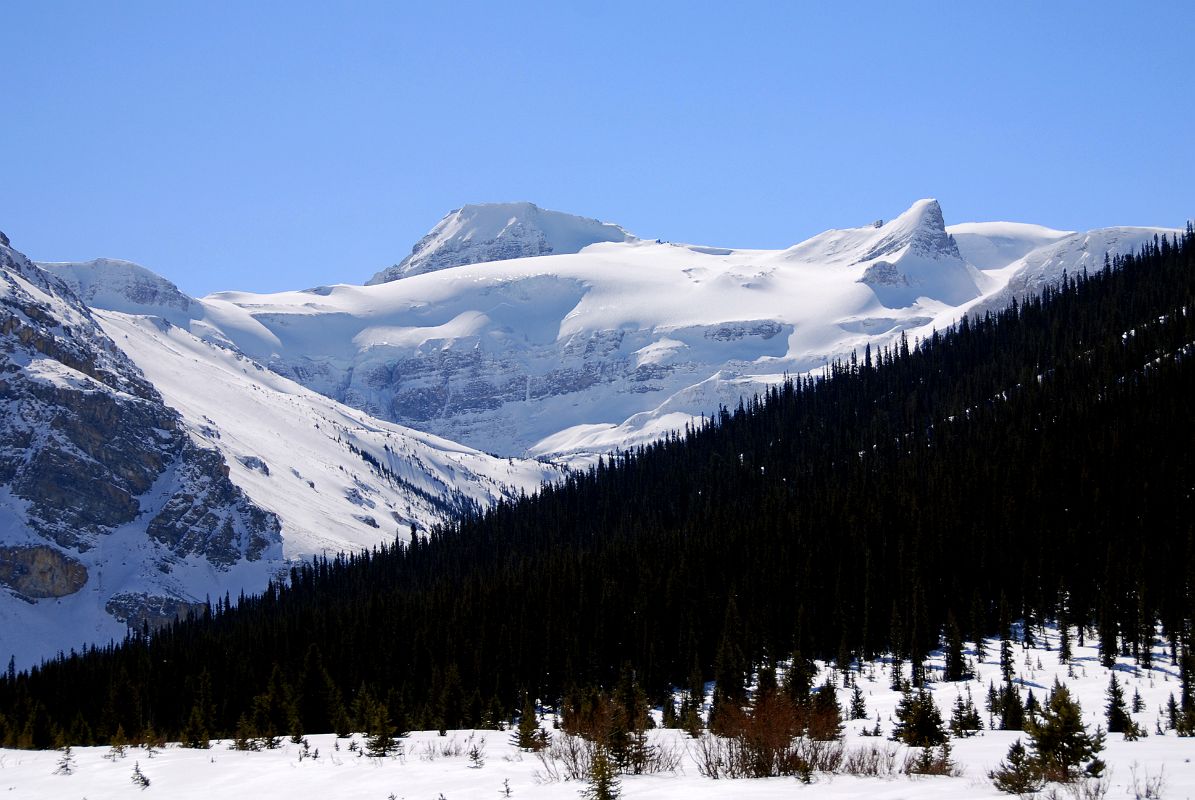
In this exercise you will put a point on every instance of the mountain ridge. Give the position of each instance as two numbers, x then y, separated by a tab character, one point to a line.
573	354
484	232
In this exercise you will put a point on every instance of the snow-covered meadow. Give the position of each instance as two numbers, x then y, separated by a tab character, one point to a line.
485	764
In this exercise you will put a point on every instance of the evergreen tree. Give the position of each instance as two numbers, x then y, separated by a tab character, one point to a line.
956	663
1017	774
1012	713
730	670
1060	742
858	704
274	709
919	722
1119	720
1007	667
1064	640
1031	704
798	680
529	735
977	627
603	778
964	719
825	715
197	733
379	732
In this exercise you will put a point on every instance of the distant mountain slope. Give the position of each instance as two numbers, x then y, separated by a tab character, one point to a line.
124	286
109	511
583	352
338	479
498	231
117	508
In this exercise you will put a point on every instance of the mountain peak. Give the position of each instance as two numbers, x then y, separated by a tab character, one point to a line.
117	285
922	229
482	232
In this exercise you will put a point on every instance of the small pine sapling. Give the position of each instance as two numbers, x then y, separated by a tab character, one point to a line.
139	778
1017	773
66	762
603	778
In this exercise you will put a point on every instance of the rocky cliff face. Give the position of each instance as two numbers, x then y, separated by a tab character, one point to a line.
38	571
93	463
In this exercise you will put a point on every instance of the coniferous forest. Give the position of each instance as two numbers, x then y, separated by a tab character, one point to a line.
1031	464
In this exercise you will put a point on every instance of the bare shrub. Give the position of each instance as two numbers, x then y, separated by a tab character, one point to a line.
820	755
873	760
444	748
738	757
1078	789
1147	787
712	756
569	757
930	761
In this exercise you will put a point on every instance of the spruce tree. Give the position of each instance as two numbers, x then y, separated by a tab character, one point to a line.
858	704
919	722
1064	640
1012	712
1060	742
1017	774
603	777
956	663
1007	667
964	718
528	736
825	715
1119	720
379	732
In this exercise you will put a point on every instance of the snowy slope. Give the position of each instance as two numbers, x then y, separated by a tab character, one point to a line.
337	479
434	766
124	286
143	470
498	231
109	512
579	352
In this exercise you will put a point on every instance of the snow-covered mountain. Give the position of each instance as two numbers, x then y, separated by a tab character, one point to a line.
143	470
484	232
110	512
616	342
159	448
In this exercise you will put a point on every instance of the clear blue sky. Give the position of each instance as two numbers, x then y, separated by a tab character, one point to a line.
269	146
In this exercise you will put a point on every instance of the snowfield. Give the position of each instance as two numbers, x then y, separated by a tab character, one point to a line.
307	458
425	772
525	332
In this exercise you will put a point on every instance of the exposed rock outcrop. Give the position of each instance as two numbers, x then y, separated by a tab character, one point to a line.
140	610
39	571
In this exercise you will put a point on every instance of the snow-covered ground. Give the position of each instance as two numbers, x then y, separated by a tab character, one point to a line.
424	772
